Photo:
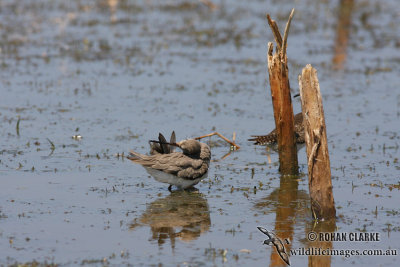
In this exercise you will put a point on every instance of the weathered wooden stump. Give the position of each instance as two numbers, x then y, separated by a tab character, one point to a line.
319	170
281	99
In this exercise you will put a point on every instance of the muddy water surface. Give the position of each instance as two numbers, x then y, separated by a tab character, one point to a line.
82	82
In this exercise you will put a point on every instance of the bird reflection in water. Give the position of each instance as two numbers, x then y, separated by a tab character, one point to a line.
182	214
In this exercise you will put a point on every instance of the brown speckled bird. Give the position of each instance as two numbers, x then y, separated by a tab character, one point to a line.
272	137
182	169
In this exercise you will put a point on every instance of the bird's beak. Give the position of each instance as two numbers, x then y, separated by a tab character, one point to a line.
178	144
175	144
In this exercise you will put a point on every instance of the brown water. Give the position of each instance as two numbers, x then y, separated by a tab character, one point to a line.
117	73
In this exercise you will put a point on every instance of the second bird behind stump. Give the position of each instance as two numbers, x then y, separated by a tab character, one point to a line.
271	139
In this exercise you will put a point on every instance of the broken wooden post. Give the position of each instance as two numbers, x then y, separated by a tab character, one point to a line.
319	170
281	99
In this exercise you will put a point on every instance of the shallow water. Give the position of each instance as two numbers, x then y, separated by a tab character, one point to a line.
116	73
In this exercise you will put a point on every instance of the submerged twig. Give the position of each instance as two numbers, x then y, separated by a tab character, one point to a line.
223	157
17	127
52	144
226	155
52	147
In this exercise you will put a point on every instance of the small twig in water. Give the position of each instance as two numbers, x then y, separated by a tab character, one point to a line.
53	147
52	144
220	135
226	155
17	127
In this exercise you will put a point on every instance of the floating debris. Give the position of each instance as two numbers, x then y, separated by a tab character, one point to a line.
17	127
52	144
77	137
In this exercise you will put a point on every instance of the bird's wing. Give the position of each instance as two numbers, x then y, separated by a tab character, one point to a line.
193	173
163	144
182	166
154	148
264	231
172	140
163	147
285	258
174	163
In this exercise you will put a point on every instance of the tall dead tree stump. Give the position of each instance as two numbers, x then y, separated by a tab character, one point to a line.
319	170
281	99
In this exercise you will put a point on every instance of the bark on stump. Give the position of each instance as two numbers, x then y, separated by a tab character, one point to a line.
319	171
281	99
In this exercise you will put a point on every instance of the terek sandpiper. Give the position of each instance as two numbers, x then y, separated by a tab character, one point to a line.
182	169
272	137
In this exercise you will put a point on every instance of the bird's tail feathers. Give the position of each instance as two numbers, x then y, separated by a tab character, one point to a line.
258	139
134	155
